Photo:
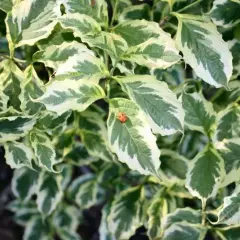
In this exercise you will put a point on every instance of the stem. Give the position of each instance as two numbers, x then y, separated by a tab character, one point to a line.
114	13
113	68
189	6
203	212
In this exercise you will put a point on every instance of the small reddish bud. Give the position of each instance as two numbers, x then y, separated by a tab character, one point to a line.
122	117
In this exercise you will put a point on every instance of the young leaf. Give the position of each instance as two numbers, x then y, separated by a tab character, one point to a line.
95	9
61	96
162	108
182	215
14	127
228	123
43	149
37	229
204	50
225	13
183	231
126	213
199	113
211	168
84	191
131	138
54	55
49	192
31	20
24	183
230	213
229	150
31	87
18	155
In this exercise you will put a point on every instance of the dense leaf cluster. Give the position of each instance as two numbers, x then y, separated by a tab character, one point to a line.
136	111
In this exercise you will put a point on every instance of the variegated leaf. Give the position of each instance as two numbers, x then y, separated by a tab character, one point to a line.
37	229
31	20
54	55
126	213
31	87
225	13
79	156
65	234
199	113
18	155
228	123
230	212
120	6
49	192
3	100
183	231
153	53
24	183
14	127
234	46
131	138
84	190
84	65
62	96
229	150
95	9
43	149
11	77
6	5
205	185
141	11
163	110
182	215
204	50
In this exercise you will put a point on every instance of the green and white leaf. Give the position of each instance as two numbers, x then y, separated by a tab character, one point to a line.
234	46
24	183
79	155
155	211
132	141
6	5
204	50
18	155
31	20
96	145
199	113
31	87
43	149
97	10
183	231
37	229
153	53
182	215
62	96
3	100
229	150
65	234
84	191
49	192
225	13
55	55
205	185
11	77
14	127
111	43
126	213
84	65
163	110
228	123
141	11
230	213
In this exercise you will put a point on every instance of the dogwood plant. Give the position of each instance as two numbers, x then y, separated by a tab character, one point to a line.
132	108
